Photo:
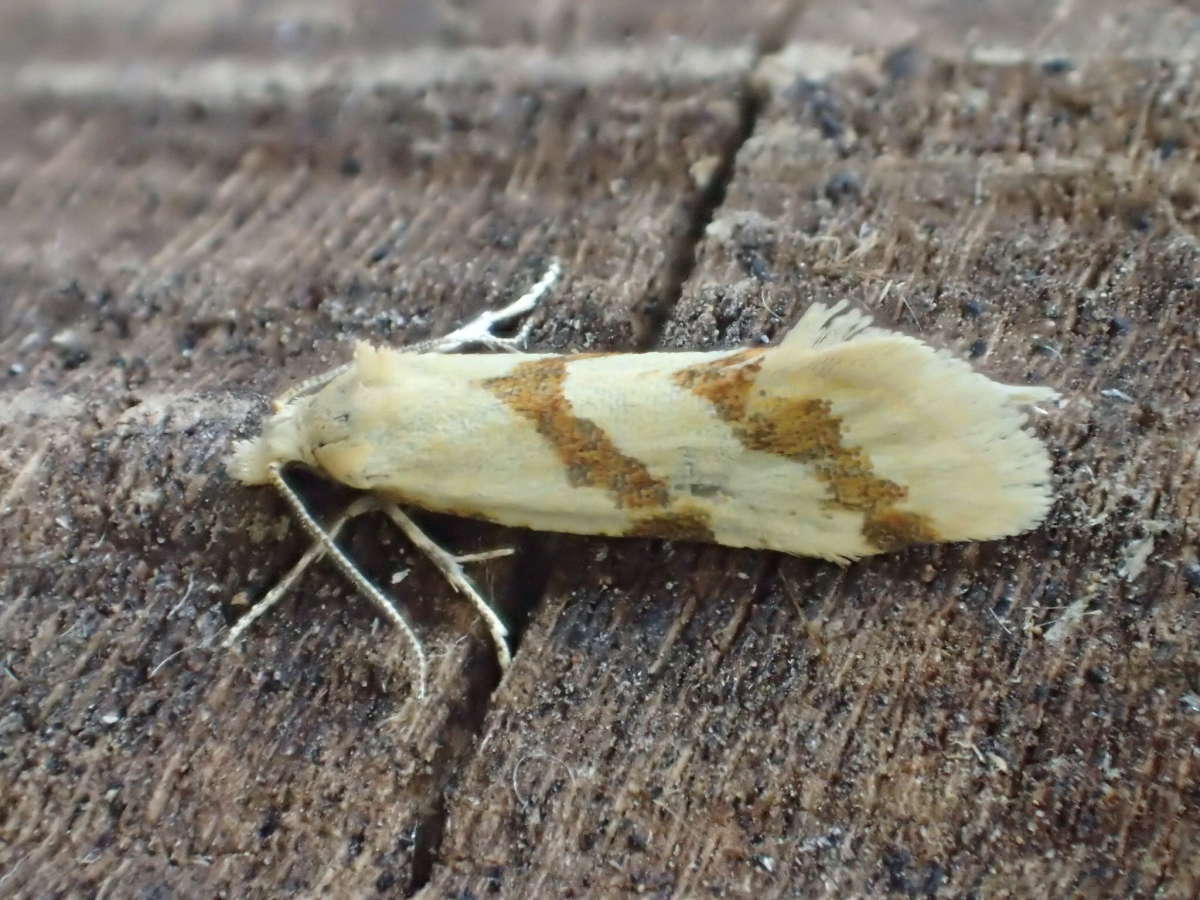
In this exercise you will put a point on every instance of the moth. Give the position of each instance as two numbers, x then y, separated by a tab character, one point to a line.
843	440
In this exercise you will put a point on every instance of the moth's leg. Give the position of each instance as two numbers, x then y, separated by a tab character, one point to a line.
452	570
315	551
479	329
485	555
352	572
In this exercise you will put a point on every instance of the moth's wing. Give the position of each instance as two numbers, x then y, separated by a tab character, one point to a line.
953	439
857	440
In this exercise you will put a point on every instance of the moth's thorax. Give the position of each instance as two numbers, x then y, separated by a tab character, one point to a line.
393	418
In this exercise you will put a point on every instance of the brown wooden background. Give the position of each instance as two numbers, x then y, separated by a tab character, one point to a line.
199	202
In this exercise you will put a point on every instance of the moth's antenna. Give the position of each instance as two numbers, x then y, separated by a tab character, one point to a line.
351	571
309	384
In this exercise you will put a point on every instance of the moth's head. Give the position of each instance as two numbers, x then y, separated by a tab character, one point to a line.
281	441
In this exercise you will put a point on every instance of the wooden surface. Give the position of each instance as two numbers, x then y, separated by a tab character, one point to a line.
200	202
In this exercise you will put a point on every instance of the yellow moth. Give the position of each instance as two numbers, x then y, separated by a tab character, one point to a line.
841	441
